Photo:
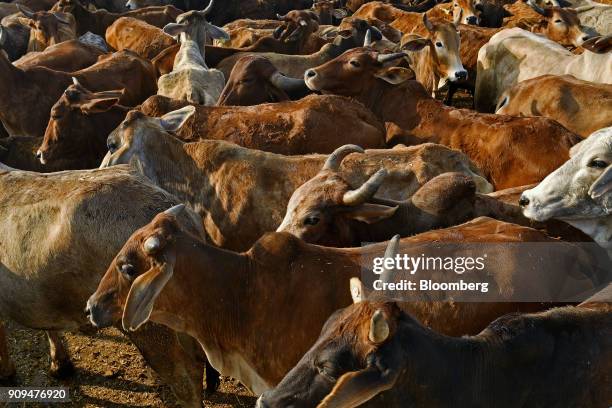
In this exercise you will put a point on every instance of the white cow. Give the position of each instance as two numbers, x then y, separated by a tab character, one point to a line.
191	79
579	192
515	55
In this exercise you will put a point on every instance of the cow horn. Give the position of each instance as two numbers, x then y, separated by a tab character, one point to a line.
208	8
61	19
367	41
2	35
151	245
25	11
366	191
175	211
384	58
335	159
279	17
76	82
285	83
390	253
379	327
536	8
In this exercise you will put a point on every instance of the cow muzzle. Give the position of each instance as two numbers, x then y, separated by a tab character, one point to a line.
40	155
99	316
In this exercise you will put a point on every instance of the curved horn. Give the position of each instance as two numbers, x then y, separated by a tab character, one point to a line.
367	41
208	8
76	82
366	191
279	17
536	8
151	245
379	328
335	159
25	11
175	211
287	84
384	58
390	253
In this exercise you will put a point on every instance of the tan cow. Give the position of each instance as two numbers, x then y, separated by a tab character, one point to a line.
68	56
581	106
48	28
136	35
64	228
204	174
509	151
285	287
515	55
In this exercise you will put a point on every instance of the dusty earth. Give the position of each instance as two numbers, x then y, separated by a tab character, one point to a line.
110	372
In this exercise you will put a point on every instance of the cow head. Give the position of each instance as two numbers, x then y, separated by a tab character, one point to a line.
326	11
140	137
562	25
297	26
356	71
466	12
132	285
255	80
352	32
193	26
67	136
47	28
356	357
577	190
441	46
321	210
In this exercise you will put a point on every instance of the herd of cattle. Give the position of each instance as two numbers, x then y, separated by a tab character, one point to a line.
228	159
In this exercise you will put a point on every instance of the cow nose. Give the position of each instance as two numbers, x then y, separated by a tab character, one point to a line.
523	201
311	73
39	155
472	20
87	311
461	74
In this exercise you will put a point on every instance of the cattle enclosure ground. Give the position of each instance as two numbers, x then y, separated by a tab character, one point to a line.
110	372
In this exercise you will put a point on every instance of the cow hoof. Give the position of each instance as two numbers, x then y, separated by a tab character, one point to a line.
213	380
63	370
8	375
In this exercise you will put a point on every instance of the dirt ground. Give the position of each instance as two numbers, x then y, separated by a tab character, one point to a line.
110	372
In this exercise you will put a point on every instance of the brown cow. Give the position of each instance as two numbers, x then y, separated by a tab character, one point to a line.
204	173
254	80
510	151
99	20
282	286
68	56
14	38
373	351
581	106
144	39
47	28
39	88
315	124
80	122
327	12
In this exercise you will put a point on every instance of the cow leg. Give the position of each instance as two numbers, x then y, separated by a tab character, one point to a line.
61	366
177	366
7	368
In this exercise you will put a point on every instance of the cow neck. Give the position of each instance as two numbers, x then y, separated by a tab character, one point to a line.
455	359
409	107
10	78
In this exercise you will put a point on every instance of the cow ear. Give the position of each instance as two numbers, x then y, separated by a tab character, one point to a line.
357	290
416	44
339	13
603	185
143	293
217	32
173	121
99	105
395	75
370	213
174	29
357	387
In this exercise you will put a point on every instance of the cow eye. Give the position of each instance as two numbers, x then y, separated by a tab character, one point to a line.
438	44
311	220
354	63
598	164
327	371
127	270
112	145
558	21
